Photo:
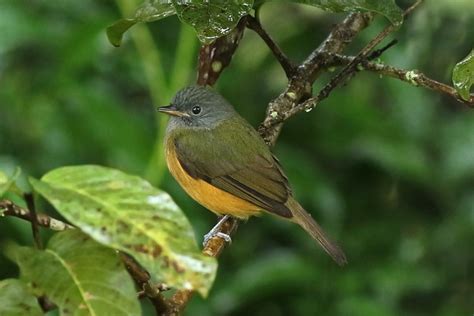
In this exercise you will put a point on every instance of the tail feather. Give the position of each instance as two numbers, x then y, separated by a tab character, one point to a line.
304	219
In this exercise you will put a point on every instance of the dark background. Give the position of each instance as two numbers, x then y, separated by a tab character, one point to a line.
386	168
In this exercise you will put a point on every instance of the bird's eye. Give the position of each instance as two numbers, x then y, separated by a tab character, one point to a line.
196	109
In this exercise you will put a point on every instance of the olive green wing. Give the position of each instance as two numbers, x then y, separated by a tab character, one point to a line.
234	158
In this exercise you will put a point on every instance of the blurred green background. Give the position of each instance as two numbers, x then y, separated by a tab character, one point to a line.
386	168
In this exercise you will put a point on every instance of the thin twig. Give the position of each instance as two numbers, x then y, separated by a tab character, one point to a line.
346	72
142	279
30	202
413	77
8	208
289	68
299	87
378	52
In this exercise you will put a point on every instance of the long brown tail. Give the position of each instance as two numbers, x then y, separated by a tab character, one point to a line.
302	218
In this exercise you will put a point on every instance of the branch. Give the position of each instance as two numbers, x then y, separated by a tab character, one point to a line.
139	274
289	68
342	34
346	72
299	87
30	202
213	248
142	279
8	208
413	77
213	58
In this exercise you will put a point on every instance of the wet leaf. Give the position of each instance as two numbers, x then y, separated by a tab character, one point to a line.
16	299
463	76
115	31
127	213
79	275
212	18
5	182
149	11
388	8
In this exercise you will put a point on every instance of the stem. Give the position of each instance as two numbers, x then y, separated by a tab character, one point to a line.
285	62
30	202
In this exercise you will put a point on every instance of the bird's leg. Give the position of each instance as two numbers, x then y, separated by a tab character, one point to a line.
214	232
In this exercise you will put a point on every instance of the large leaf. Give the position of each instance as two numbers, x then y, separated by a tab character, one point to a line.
212	18
125	212
6	183
16	299
388	8
79	275
150	10
463	76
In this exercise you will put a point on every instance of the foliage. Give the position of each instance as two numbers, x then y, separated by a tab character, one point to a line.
214	18
79	275
6	183
126	213
385	168
463	75
16	299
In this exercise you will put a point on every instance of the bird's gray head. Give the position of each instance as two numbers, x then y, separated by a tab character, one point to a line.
198	107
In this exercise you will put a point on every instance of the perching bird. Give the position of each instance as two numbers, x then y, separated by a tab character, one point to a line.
221	161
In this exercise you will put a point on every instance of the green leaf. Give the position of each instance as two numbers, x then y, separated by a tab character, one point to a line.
79	275
388	8
212	18
16	299
149	11
463	76
115	31
125	212
6	183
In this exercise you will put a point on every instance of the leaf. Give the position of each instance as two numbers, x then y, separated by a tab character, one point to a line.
149	11
6	183
212	18
388	8
463	76
125	212
79	275
16	299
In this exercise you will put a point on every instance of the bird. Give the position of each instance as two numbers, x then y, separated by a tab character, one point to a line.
221	162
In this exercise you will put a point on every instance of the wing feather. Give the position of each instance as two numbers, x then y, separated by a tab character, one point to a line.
236	161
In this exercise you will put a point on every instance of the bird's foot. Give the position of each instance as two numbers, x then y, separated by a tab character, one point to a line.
214	232
208	237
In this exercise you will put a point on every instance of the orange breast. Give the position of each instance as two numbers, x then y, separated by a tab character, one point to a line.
212	198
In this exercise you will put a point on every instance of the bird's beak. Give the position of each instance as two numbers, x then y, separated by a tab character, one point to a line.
171	110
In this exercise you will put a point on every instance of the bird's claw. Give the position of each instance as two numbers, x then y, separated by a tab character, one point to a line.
211	235
214	232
